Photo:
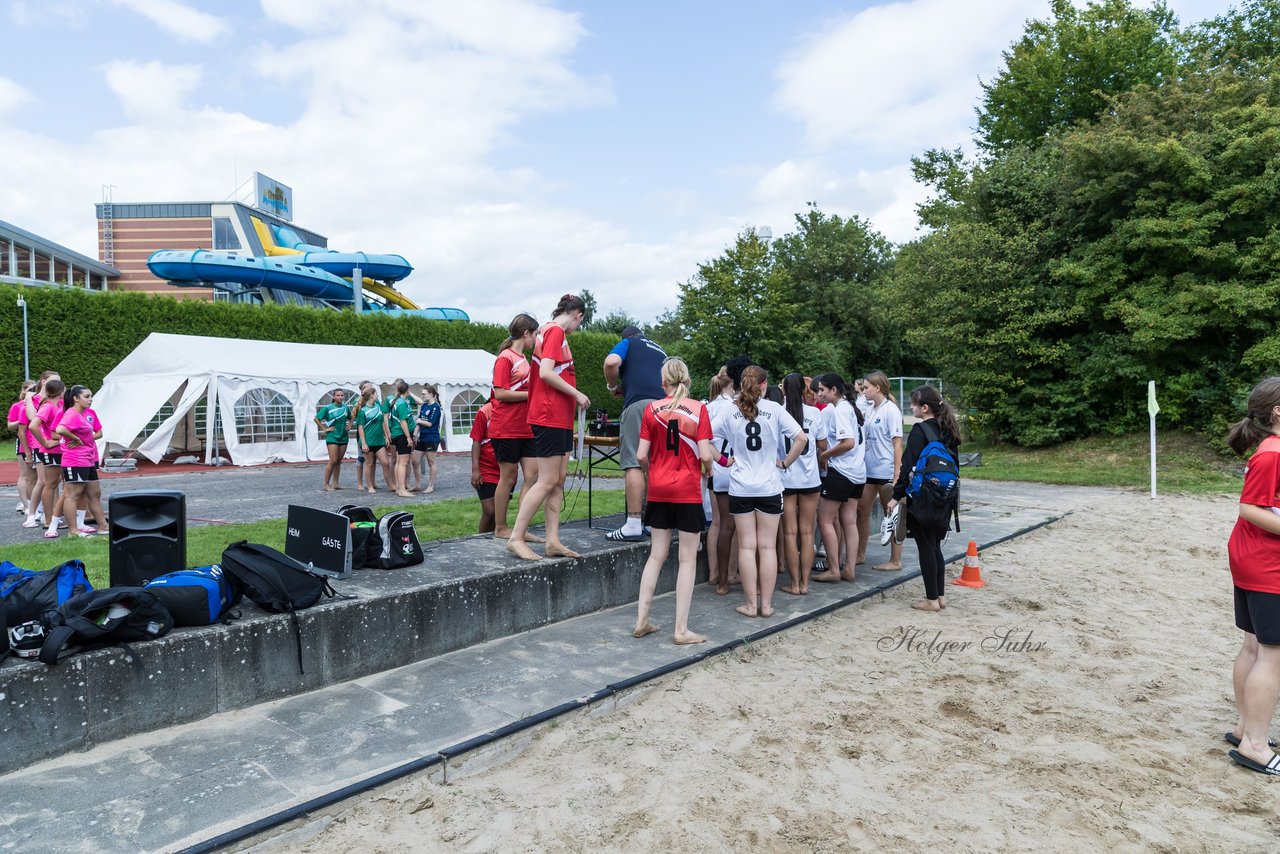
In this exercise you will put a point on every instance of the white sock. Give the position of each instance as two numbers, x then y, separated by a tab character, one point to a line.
33	517
80	514
632	526
40	509
53	526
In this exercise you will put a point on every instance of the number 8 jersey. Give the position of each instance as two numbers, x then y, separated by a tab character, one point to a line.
675	469
755	444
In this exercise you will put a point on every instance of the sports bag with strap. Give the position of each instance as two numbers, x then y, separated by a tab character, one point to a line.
400	546
366	542
116	615
200	596
933	491
27	594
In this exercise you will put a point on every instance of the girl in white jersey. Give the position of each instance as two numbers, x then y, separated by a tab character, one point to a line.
884	459
718	566
846	476
755	429
801	484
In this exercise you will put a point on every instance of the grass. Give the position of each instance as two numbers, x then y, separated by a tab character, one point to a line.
1184	463
439	520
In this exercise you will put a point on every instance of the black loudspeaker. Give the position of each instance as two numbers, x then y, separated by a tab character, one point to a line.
148	536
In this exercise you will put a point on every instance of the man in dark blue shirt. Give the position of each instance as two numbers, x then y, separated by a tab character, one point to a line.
633	371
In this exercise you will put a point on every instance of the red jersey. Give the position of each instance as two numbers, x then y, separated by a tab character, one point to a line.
510	420
675	467
1254	554
549	407
480	433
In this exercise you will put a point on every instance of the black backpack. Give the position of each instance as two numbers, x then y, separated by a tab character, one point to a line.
366	542
25	594
399	545
113	616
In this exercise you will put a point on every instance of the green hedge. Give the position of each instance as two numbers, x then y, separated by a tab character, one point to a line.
83	335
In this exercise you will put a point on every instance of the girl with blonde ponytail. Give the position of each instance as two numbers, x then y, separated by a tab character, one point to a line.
675	448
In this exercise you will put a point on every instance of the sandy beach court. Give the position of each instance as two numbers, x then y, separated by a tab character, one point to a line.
1077	703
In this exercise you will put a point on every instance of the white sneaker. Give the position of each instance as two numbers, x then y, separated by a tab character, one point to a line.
889	524
22	507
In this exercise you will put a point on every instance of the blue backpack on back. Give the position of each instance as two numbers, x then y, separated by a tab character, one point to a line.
27	594
200	596
934	489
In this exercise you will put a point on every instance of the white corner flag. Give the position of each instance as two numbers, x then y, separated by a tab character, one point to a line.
1152	409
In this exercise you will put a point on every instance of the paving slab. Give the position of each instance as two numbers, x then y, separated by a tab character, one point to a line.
255	762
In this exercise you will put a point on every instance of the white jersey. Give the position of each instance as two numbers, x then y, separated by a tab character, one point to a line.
824	430
719	473
803	473
755	444
884	424
864	406
851	463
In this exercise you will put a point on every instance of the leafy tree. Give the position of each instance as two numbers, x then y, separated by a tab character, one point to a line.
614	322
589	299
1062	70
1246	39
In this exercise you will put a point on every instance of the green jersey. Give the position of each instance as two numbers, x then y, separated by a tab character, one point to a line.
401	410
370	418
335	417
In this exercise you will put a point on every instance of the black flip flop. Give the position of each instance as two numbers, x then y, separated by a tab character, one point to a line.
1230	738
1272	768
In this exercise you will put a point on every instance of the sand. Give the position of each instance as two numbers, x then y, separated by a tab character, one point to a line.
1103	732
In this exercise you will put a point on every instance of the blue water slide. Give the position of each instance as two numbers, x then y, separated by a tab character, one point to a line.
273	272
384	268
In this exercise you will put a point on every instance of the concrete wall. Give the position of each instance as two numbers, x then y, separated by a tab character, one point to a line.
467	592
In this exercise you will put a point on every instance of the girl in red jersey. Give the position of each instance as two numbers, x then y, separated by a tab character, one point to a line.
553	399
1254	554
484	466
675	447
509	425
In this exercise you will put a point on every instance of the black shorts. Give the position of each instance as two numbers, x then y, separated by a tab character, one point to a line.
49	458
485	491
427	447
513	450
343	444
740	505
551	441
373	450
878	481
402	446
836	487
803	490
1259	615
79	474
665	515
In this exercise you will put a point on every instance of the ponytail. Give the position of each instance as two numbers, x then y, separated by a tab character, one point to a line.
943	412
675	373
749	393
793	386
520	325
69	399
1257	424
569	303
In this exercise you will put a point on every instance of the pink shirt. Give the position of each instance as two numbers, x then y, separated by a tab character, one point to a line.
82	426
50	413
25	422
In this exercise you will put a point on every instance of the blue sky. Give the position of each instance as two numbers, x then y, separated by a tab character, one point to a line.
512	150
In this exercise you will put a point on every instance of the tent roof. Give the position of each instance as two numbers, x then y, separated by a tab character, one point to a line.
166	355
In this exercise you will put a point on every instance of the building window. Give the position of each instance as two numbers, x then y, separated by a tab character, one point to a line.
224	234
462	412
264	415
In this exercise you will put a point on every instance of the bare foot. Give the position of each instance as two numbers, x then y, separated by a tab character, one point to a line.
722	589
926	605
429	490
862	559
504	534
746	610
336	487
766	610
560	550
647	629
847	574
328	488
689	637
888	566
404	494
826	577
521	550
793	590
530	537
942	602
804	590
733	579
372	490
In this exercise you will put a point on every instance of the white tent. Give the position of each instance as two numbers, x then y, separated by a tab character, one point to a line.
257	399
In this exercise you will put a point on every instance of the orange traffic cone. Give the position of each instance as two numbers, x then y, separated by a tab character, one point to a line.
971	574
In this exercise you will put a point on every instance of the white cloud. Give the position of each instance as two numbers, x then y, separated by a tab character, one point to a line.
178	19
901	76
49	13
11	95
151	90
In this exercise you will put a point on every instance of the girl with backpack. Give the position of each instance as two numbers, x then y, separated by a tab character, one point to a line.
675	450
756	429
553	400
801	485
884	459
1253	552
936	423
845	480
